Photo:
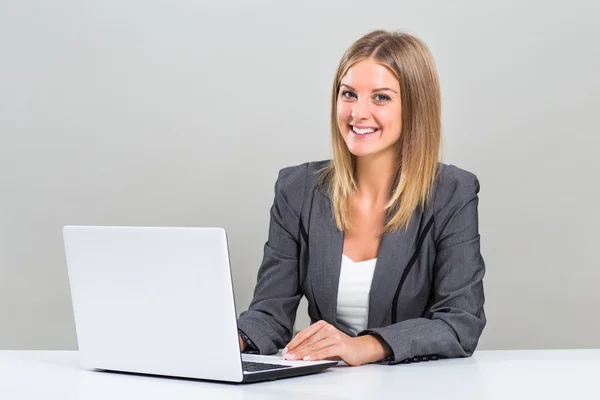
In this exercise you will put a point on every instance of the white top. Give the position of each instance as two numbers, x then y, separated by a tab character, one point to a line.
488	375
353	293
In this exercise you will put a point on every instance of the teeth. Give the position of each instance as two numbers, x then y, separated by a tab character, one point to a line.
363	131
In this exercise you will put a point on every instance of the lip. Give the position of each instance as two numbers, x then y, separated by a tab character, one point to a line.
363	136
363	126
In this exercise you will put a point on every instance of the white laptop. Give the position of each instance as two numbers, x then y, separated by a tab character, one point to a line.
160	301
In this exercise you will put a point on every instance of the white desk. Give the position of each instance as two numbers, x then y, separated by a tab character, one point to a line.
506	375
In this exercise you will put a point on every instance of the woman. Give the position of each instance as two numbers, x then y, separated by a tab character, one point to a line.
383	240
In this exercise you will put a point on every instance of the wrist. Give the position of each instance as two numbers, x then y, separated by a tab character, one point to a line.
242	343
375	348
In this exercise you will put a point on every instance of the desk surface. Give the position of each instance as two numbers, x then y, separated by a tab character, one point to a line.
548	374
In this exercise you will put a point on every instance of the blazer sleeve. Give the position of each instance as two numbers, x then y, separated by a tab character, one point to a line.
452	325
269	320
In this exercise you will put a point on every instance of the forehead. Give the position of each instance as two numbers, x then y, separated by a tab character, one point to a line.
367	74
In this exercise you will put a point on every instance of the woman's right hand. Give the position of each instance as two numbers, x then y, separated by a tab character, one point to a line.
242	343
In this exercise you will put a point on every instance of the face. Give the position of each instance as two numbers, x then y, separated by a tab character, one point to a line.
369	112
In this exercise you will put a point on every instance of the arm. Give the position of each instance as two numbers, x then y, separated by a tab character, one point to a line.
268	323
454	322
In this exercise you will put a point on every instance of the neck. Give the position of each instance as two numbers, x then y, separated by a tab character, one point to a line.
375	177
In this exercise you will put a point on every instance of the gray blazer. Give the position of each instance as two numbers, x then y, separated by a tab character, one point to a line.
426	299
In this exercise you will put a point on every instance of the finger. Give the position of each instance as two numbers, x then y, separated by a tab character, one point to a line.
303	351
303	335
316	337
326	353
331	336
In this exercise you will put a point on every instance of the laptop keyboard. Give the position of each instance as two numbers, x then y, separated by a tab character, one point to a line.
249	366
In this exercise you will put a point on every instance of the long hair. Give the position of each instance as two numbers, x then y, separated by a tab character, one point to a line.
411	62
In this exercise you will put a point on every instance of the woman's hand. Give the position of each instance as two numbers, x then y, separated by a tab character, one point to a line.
322	341
242	343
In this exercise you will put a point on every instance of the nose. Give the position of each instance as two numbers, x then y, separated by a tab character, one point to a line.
360	110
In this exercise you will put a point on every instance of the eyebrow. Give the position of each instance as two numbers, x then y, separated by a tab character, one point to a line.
374	90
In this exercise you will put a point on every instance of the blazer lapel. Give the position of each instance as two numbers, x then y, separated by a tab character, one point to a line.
326	245
395	251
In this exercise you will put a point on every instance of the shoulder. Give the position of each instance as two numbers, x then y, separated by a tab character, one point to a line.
453	185
293	174
295	177
294	181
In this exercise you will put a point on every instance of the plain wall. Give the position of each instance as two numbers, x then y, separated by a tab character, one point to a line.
181	114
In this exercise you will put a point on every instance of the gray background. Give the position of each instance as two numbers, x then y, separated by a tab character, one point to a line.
181	113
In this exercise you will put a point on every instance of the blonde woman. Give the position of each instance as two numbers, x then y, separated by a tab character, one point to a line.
382	240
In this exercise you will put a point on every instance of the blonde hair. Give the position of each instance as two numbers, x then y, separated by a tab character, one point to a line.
411	62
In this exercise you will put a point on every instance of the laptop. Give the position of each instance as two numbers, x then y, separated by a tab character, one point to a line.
160	301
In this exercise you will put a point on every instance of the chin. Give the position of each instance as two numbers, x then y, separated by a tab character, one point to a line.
361	152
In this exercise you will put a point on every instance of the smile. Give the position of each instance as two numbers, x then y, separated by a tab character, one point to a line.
364	132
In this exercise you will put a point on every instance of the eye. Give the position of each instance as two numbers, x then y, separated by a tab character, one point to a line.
382	97
347	94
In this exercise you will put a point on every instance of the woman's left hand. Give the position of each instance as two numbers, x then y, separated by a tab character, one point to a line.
322	341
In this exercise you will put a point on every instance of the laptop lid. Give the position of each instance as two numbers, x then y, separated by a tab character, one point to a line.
154	300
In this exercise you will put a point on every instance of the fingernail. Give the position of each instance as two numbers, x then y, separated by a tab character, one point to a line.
291	357
306	358
285	350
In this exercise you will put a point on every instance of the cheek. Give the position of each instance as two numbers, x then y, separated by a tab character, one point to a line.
343	111
385	117
390	118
